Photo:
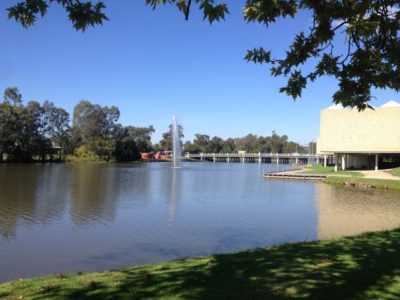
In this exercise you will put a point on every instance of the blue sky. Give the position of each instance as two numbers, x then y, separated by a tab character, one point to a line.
153	64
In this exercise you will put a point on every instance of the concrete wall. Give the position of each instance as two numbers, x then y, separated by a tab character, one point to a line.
347	130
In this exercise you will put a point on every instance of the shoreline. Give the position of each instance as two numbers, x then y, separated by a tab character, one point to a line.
383	179
326	269
358	179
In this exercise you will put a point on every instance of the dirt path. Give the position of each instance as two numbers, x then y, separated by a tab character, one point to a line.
379	175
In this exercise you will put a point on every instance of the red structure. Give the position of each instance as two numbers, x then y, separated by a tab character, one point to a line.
163	155
146	155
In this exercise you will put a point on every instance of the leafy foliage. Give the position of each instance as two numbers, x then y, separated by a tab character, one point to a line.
211	11
371	57
30	132
250	143
369	30
81	14
166	141
25	129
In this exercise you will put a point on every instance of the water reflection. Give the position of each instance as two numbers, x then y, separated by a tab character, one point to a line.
348	211
89	217
175	189
94	193
30	194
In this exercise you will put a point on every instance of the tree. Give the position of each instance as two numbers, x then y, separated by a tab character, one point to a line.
22	128
202	141
188	146
126	151
12	96
369	29
166	141
56	124
248	143
94	126
229	146
81	14
141	136
216	144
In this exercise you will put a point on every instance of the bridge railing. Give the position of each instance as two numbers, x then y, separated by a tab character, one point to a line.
255	155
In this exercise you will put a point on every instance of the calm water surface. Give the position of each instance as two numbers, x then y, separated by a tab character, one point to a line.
69	218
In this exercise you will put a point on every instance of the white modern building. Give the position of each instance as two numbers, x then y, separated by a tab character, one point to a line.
369	139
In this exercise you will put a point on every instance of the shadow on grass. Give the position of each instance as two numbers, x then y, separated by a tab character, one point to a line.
360	267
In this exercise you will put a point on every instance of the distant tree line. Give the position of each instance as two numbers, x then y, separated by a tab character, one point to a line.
251	143
32	131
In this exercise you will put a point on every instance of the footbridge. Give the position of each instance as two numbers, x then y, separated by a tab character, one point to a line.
269	158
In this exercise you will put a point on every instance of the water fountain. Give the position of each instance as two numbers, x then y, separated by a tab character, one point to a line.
176	144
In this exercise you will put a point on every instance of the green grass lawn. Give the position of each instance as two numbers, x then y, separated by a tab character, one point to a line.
354	177
331	171
395	172
376	183
360	267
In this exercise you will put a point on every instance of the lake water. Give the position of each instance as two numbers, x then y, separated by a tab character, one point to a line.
67	217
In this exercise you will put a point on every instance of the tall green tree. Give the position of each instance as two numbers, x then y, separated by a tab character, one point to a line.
22	128
202	141
249	143
368	30
188	146
141	136
94	126
216	144
229	146
56	124
12	96
166	141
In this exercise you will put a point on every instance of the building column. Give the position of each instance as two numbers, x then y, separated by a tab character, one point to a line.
343	162
376	161
325	160
336	162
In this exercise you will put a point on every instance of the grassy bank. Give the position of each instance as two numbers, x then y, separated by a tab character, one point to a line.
366	182
360	267
354	178
330	171
395	172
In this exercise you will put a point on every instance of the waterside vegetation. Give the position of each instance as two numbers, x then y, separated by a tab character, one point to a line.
36	132
355	179
395	172
365	266
383	184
